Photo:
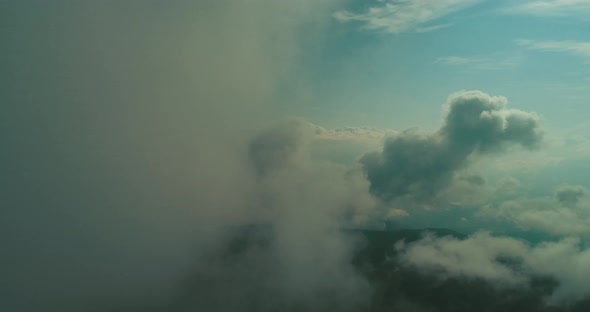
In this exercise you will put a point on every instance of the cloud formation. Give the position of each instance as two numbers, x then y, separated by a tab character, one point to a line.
420	166
505	261
403	16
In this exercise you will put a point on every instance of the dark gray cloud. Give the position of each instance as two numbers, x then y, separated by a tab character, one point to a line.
410	163
474	179
475	124
569	195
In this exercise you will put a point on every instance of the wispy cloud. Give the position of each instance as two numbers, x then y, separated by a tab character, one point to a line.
351	133
483	63
432	28
404	15
551	7
578	48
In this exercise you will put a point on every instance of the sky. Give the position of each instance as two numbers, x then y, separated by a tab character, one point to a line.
416	53
136	134
390	66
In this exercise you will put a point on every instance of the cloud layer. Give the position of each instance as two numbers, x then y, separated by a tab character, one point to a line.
577	48
505	261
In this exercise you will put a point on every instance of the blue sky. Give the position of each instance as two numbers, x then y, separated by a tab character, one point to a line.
536	53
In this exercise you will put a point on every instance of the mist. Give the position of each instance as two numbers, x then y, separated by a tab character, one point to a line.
125	140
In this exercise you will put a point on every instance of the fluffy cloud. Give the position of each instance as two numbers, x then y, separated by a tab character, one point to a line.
474	257
420	166
505	261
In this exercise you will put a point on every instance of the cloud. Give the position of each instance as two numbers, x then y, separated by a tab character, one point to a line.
577	48
518	163
473	257
433	28
137	150
278	146
552	8
370	134
421	165
403	16
305	204
568	213
344	145
569	195
474	180
505	261
396	213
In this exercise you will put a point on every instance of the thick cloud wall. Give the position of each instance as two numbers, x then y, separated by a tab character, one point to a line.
133	152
